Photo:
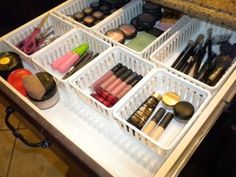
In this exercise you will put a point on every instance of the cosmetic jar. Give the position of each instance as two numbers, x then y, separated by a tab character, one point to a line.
146	21
129	30
78	16
116	35
98	15
9	61
87	10
105	9
95	5
153	9
170	99
89	21
183	111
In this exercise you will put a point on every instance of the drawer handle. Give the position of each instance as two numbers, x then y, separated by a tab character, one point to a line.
17	134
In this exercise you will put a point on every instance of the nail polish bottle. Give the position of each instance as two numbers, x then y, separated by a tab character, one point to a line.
141	115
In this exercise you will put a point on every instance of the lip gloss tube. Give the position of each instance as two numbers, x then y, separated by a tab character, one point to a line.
106	75
114	98
102	100
156	134
118	81
155	120
111	79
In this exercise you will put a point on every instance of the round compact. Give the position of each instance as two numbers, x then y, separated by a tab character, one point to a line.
129	30
170	99
89	21
87	10
183	110
51	96
78	16
9	61
146	21
155	32
116	35
134	23
95	5
153	9
104	9
98	15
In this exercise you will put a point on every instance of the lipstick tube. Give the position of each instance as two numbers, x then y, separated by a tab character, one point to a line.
155	120
156	134
106	75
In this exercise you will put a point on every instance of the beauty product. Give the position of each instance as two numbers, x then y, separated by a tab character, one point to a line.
170	99
222	63
78	16
87	10
9	61
102	100
89	21
119	80
98	15
183	111
155	32
116	35
141	41
225	48
15	78
146	21
134	23
153	9
105	9
156	134
95	5
155	120
51	96
106	75
67	60
129	30
141	115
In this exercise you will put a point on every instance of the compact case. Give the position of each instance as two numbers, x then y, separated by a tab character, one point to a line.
124	16
169	51
82	80
161	81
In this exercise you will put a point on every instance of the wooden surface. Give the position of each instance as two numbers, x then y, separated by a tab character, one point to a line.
222	12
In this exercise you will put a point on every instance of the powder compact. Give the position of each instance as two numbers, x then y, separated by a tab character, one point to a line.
95	5
183	110
87	10
89	21
146	21
78	16
116	35
170	99
129	30
9	61
98	15
153	9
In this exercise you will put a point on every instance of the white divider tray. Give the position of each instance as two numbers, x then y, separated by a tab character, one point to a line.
168	52
82	80
124	16
73	6
59	26
162	81
72	39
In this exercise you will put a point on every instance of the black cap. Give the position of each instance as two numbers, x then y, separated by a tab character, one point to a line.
183	110
95	5
159	114
135	80
166	120
126	74
120	71
131	77
116	68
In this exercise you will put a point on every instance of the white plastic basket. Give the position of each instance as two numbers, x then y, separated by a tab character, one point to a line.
103	63
124	16
168	52
161	81
72	39
73	6
59	26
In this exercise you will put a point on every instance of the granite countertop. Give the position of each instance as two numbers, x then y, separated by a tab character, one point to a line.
222	12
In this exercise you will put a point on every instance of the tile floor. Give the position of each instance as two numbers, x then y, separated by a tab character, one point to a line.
18	160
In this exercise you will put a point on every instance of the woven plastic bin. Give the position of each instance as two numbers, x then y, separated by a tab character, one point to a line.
124	16
168	52
162	81
82	80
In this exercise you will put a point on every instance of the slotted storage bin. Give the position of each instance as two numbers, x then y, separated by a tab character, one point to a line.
72	39
73	6
82	80
162	81
168	52
59	26
124	16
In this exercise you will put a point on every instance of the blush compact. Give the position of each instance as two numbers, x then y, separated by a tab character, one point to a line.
87	10
183	111
78	16
89	21
98	15
153	9
146	21
129	30
116	35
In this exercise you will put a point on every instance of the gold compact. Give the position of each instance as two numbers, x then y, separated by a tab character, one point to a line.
170	99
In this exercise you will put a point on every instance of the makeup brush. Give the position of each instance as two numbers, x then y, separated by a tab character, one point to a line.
222	63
